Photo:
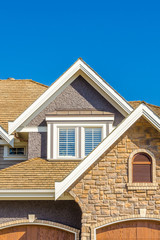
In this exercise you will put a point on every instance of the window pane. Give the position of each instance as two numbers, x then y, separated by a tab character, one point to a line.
12	151
67	142
92	139
142	173
16	151
20	151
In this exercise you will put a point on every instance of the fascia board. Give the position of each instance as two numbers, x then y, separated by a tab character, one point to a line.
6	137
142	110
80	118
12	126
106	88
27	194
79	65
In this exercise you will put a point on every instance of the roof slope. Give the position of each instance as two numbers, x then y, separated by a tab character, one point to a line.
16	96
36	173
154	108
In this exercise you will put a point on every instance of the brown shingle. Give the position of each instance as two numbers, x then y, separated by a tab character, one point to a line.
16	96
154	108
36	173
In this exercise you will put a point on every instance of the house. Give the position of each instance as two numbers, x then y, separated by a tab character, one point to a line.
77	161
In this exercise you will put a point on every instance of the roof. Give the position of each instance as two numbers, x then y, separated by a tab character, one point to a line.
36	173
141	110
16	96
154	108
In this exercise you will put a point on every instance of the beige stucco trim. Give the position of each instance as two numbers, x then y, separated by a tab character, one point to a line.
42	223
135	186
111	221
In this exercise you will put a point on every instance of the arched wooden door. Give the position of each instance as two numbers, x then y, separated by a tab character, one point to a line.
130	230
35	232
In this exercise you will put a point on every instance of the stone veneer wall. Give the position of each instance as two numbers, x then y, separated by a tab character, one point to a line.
102	192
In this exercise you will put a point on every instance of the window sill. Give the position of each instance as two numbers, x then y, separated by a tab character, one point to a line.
142	186
17	158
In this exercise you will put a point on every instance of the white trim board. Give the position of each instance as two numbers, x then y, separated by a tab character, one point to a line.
26	194
78	68
80	118
6	137
31	194
141	110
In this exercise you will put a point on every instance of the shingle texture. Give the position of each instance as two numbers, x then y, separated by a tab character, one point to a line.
154	108
15	97
36	173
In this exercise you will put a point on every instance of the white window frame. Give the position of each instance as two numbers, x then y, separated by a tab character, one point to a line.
79	138
76	143
7	156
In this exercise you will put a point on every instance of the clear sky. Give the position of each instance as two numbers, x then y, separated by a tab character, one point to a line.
119	39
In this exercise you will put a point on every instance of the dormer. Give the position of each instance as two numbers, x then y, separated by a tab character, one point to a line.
74	134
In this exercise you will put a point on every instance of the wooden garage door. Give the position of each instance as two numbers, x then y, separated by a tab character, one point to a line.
131	230
35	233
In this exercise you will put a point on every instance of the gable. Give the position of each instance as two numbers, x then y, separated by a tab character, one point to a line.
79	95
78	68
142	110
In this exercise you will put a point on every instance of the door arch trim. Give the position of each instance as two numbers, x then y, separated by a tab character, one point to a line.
22	222
121	219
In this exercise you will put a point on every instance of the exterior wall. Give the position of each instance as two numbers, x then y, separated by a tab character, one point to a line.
37	145
1	152
78	96
64	212
102	192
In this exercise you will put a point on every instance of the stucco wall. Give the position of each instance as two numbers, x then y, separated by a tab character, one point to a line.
37	145
102	192
79	95
64	212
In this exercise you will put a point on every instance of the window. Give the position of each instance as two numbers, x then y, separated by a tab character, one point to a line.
142	168
16	151
66	142
92	139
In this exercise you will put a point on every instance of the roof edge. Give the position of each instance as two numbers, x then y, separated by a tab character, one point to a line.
29	194
8	138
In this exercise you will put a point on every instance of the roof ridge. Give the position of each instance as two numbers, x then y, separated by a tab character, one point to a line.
38	83
139	101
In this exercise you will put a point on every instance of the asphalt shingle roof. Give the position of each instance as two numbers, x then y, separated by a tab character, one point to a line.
16	96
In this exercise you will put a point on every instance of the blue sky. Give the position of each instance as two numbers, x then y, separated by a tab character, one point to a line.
120	40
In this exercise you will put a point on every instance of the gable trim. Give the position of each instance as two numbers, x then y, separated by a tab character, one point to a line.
142	110
66	79
6	137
